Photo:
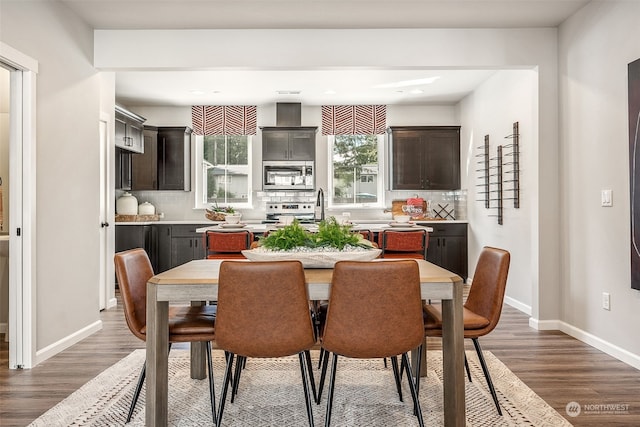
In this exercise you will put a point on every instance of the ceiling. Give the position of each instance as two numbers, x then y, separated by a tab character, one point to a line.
315	87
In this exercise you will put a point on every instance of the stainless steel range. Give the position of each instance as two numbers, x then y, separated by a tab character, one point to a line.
299	210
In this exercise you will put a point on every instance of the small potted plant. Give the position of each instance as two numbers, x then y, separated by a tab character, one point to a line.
218	213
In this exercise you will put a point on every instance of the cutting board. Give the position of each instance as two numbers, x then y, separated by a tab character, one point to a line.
396	209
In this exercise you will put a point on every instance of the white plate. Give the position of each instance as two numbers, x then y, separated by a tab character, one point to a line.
402	224
227	225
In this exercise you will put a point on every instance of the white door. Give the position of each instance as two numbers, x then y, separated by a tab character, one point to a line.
104	216
22	170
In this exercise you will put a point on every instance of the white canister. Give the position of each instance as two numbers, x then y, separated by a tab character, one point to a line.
146	208
127	204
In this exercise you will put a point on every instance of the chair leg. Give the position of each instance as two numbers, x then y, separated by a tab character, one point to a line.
212	391
485	370
323	375
412	388
236	380
303	370
419	362
307	354
136	394
466	367
332	384
385	362
321	356
225	387
396	375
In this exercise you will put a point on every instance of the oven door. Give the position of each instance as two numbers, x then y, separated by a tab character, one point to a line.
287	176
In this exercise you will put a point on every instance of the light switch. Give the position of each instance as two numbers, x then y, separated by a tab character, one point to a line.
607	198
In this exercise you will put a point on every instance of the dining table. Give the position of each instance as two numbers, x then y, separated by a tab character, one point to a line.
197	282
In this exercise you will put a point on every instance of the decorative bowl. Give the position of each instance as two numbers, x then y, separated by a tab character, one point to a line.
312	259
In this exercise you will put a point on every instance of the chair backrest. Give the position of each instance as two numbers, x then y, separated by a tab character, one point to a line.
489	283
222	244
133	270
404	241
263	309
375	309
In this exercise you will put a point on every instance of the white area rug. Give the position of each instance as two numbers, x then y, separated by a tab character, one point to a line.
270	394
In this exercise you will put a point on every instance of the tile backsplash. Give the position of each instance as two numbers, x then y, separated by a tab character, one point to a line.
178	205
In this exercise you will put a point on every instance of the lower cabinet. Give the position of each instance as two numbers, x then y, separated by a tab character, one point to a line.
178	244
448	247
138	236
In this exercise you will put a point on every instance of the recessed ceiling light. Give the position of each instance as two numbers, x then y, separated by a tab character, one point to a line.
288	92
416	91
197	92
405	83
216	91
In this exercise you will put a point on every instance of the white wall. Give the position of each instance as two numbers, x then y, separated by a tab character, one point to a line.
507	97
595	47
68	104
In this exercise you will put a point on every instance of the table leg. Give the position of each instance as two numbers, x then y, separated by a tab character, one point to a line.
453	359
157	359
198	354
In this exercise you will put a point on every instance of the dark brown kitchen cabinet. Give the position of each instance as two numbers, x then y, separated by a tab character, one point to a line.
128	130
174	158
289	143
448	247
122	169
144	166
164	247
186	244
137	236
425	157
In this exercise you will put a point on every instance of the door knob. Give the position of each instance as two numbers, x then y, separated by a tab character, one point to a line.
104	224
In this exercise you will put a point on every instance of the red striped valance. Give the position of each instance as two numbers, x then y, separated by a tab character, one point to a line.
354	119
224	119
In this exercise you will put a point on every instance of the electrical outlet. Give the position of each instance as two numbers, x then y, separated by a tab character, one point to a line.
606	302
606	198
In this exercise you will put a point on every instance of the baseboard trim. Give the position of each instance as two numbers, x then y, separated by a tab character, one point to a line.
66	342
526	309
612	350
112	303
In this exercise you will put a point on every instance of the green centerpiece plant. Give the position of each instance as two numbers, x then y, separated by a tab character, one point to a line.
331	236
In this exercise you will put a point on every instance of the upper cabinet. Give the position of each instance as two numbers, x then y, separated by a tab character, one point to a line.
128	130
166	161
174	158
145	166
289	143
425	157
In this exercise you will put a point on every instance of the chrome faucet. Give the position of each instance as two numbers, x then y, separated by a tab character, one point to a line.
320	205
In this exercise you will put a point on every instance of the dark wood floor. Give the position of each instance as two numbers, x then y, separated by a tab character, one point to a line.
557	367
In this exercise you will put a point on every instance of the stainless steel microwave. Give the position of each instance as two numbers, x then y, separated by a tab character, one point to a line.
287	175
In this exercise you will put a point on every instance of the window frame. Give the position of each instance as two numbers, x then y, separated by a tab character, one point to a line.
380	187
200	201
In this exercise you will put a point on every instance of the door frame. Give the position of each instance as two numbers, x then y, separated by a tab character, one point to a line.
107	234
22	206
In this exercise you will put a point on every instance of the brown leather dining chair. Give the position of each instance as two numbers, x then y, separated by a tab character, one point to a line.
263	312
375	311
403	244
186	323
482	308
227	244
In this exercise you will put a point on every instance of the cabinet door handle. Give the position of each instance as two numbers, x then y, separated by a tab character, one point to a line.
444	242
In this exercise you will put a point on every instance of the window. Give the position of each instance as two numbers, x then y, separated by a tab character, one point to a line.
356	170
223	172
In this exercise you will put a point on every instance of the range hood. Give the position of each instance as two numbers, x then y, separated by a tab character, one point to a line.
288	114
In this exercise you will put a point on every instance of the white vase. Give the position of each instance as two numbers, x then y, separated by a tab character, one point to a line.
127	204
146	208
